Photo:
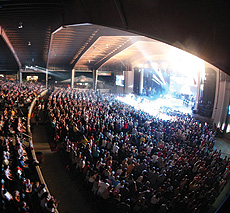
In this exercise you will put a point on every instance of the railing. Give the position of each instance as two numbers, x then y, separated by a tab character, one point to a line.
42	181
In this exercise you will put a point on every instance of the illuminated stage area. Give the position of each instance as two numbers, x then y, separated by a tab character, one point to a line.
157	107
175	83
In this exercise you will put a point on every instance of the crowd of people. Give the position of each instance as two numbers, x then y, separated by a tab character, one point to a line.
21	190
134	161
129	159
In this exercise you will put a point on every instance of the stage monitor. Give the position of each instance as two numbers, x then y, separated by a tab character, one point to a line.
120	80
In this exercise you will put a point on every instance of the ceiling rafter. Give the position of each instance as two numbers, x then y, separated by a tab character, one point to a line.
84	48
6	39
131	41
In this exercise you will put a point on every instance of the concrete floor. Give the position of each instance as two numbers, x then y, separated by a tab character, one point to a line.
223	144
59	183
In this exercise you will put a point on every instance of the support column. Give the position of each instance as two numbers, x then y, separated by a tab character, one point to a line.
72	78
129	78
47	78
217	93
141	81
20	77
95	80
198	92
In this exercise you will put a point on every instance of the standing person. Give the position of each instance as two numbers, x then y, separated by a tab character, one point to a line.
102	186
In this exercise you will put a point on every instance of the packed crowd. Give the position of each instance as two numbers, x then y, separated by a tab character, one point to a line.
134	161
13	95
20	187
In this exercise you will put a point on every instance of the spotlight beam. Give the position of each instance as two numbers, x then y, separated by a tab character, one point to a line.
157	79
161	76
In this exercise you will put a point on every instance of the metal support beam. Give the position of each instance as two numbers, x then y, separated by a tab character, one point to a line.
94	79
72	78
198	91
20	77
141	81
47	78
121	13
50	45
216	102
6	39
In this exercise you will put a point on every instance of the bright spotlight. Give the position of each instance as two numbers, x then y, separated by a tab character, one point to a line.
140	65
186	63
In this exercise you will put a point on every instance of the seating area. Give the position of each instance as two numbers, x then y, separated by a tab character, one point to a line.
21	190
123	159
129	161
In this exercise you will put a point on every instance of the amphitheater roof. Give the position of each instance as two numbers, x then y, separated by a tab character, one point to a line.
65	34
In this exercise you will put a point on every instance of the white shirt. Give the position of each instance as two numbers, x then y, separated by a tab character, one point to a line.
115	148
102	186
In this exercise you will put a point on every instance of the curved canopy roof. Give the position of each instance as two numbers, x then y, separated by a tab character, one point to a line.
65	34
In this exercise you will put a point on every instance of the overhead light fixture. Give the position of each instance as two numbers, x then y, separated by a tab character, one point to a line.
29	43
107	45
20	25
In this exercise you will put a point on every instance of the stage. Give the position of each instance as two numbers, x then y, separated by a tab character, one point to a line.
156	107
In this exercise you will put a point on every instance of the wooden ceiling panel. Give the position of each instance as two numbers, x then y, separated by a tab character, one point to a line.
141	51
103	47
67	44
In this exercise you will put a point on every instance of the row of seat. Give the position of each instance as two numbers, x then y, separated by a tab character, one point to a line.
20	185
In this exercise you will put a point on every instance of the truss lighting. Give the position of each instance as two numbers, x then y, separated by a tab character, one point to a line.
35	68
20	25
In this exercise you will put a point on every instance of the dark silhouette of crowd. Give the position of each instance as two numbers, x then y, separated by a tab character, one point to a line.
134	162
21	190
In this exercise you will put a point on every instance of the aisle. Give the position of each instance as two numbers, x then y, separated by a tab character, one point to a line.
61	186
